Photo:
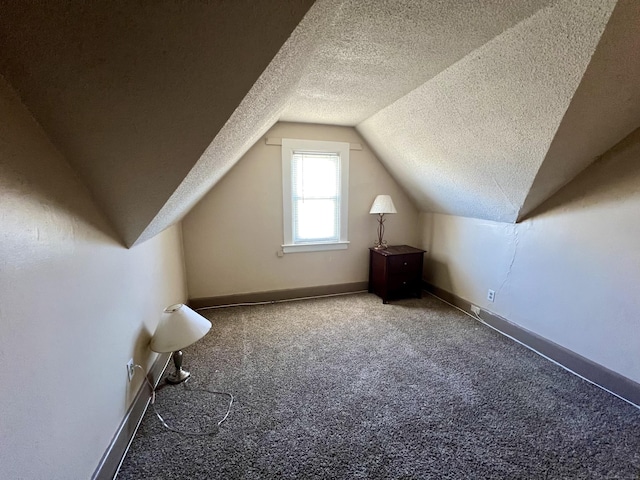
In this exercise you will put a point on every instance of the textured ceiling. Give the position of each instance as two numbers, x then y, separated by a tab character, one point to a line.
258	111
133	92
372	53
470	141
605	108
478	108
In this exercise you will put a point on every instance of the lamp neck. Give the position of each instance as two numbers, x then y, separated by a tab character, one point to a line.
381	243
177	359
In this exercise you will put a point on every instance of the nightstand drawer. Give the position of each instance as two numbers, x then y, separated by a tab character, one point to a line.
405	264
402	282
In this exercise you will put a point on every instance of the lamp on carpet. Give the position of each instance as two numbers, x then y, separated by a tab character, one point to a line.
179	327
382	205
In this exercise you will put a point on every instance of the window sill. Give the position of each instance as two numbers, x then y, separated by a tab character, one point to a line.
314	247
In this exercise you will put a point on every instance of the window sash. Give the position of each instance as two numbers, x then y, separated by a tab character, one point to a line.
305	218
333	200
315	204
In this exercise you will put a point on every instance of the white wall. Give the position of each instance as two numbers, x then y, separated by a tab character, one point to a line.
75	305
231	237
570	273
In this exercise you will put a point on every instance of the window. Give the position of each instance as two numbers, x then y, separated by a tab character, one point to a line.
315	180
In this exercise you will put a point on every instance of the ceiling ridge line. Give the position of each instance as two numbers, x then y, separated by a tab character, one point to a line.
466	57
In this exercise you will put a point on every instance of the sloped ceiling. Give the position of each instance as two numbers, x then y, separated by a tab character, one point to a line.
133	92
605	108
470	141
480	108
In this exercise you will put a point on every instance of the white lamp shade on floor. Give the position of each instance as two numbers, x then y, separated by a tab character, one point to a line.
179	327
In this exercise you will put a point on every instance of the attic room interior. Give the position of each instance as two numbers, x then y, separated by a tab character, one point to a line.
141	156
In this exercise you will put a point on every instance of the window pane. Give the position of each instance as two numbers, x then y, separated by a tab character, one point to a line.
315	175
315	220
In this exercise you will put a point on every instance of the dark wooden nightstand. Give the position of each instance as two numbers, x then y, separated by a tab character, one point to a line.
396	272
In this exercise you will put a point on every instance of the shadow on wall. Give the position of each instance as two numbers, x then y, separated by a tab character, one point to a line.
611	178
426	229
36	179
34	186
435	269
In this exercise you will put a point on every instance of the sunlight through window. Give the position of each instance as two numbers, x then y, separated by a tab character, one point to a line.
315	194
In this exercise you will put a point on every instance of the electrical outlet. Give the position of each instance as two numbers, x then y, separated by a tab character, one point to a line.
491	295
475	309
130	369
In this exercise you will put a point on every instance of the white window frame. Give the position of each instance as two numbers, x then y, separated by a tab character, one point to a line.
289	146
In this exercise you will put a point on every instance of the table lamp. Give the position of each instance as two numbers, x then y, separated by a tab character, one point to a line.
381	206
179	327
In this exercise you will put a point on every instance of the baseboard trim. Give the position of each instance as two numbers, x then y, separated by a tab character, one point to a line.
595	373
278	295
112	458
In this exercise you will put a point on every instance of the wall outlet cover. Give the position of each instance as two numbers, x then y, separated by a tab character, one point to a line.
130	369
491	295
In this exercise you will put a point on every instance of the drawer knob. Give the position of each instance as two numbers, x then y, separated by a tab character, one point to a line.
404	283
405	263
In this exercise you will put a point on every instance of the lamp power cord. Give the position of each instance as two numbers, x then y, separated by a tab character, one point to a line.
272	302
186	432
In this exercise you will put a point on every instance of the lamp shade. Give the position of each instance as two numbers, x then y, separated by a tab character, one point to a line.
383	204
179	327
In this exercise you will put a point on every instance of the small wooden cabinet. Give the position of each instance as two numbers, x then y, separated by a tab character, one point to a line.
396	272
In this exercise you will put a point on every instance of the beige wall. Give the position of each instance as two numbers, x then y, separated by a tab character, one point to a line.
570	273
232	236
75	305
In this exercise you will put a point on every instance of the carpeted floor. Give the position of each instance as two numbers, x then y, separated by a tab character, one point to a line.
346	387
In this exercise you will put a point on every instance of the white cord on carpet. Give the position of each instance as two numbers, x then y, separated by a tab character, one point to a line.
185	432
269	302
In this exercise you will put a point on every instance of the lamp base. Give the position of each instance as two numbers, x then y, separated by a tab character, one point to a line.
380	245
178	376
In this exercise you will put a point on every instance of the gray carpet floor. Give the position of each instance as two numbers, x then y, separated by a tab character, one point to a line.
346	387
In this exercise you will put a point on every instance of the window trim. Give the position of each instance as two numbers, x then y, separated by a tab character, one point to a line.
290	145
